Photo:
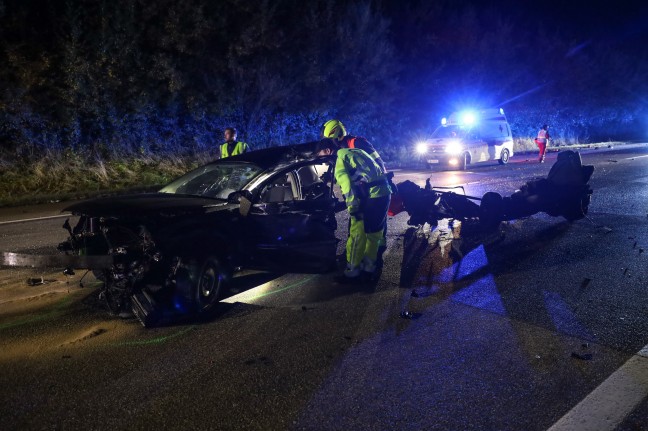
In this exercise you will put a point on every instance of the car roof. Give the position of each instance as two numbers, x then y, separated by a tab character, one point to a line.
270	157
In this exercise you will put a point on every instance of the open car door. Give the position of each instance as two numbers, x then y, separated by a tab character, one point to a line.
292	218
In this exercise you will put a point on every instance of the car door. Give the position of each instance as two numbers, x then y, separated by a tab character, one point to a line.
292	217
477	146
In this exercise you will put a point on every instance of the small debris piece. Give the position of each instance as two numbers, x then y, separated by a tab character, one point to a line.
66	357
582	357
625	271
409	315
35	281
641	250
423	292
612	160
585	283
585	346
607	229
537	356
634	245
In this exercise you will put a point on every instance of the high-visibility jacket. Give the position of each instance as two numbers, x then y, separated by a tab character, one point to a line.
542	136
363	144
239	148
359	177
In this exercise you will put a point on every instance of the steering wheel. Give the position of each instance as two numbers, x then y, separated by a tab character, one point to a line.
316	191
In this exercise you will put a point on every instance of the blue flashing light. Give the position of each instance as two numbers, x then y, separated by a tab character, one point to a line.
468	118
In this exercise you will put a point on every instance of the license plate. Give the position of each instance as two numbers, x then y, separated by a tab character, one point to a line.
433	161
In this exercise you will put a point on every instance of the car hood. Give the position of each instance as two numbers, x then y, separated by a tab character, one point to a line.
149	204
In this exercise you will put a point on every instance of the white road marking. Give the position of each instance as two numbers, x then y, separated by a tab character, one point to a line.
609	404
636	157
34	219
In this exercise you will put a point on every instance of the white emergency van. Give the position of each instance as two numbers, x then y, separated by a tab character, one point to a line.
468	137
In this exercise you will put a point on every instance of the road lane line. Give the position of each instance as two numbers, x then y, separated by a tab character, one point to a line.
636	157
26	220
612	401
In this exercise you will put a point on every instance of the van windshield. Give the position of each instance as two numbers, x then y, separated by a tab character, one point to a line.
450	132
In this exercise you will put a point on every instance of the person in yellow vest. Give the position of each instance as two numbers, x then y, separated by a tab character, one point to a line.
334	129
232	147
367	194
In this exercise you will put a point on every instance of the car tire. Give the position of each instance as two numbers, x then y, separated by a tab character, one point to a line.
504	157
208	286
491	211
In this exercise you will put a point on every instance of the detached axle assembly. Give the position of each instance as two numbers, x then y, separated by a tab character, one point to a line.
565	192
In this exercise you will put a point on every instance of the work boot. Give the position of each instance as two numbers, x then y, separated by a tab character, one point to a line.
352	271
367	265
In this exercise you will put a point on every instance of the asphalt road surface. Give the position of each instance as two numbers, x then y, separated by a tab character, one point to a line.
501	336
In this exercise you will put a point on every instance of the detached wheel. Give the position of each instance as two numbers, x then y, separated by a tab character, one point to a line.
491	211
207	287
504	157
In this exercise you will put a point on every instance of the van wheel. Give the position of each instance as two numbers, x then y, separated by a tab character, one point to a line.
464	161
504	157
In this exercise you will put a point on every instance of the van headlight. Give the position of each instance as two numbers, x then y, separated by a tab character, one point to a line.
454	147
421	148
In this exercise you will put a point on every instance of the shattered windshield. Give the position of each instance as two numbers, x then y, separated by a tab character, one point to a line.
449	132
217	180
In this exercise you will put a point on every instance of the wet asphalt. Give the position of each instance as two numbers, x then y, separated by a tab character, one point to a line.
495	321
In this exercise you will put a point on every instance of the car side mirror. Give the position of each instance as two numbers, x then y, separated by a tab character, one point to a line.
235	197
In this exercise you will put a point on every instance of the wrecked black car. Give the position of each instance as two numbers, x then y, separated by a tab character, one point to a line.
171	251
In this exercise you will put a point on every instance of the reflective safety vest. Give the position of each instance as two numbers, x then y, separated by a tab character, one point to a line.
542	135
369	149
239	148
359	177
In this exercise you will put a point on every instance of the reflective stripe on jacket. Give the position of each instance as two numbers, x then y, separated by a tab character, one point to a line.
542	135
239	148
359	176
362	143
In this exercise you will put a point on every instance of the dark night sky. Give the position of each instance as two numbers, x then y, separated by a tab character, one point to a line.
622	22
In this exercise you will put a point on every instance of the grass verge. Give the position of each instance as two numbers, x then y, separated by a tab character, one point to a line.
64	176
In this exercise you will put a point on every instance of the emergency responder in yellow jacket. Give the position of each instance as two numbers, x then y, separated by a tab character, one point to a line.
231	147
334	129
367	195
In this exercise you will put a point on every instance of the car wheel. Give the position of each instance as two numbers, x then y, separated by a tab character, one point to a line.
504	157
491	210
208	285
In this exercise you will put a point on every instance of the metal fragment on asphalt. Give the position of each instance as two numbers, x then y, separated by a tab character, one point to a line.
582	357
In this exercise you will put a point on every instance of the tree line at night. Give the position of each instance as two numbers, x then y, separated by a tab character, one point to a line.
118	78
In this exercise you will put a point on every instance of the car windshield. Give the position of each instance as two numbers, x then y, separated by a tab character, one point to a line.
217	180
449	132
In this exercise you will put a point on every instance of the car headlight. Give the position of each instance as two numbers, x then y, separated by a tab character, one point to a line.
454	147
421	148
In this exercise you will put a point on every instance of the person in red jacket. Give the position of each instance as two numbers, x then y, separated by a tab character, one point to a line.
542	141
